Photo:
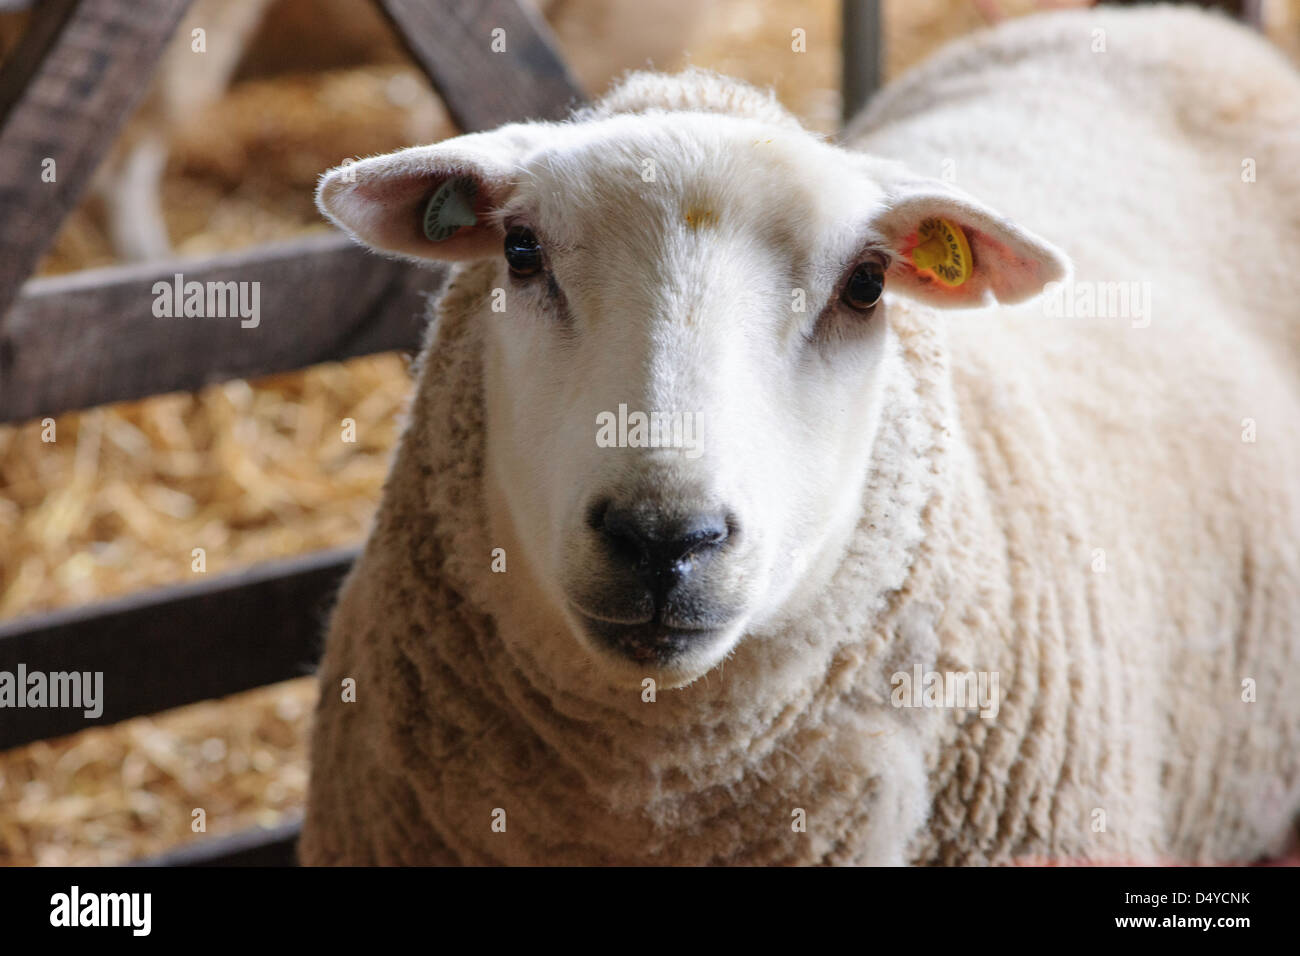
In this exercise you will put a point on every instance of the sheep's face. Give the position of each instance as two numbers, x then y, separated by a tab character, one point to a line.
686	356
681	400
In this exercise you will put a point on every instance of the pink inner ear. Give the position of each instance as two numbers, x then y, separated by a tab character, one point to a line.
1007	264
402	200
398	189
983	241
1006	272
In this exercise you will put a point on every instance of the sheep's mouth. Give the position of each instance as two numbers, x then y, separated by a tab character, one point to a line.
651	642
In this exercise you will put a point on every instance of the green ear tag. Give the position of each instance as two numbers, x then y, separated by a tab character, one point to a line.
451	207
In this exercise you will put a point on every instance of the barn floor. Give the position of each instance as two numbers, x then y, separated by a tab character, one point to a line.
255	471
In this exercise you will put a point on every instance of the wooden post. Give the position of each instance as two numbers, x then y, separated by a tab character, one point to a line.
862	46
64	93
492	61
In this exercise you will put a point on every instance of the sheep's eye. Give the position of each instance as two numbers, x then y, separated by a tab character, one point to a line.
865	286
523	252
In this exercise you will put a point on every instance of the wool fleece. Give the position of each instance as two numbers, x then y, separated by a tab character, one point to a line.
1092	496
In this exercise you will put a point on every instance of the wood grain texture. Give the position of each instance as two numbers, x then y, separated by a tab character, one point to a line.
64	93
92	337
452	41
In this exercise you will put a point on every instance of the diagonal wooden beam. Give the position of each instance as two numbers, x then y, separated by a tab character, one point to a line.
64	93
94	337
453	41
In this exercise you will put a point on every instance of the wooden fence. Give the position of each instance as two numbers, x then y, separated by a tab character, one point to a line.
89	338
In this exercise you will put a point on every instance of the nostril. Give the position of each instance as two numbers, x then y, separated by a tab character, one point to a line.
596	514
706	533
657	543
625	532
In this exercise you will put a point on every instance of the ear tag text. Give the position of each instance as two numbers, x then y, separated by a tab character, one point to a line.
943	251
451	207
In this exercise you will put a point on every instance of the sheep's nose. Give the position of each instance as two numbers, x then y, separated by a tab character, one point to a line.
663	549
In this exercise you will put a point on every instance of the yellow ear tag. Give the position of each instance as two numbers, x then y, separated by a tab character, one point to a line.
942	249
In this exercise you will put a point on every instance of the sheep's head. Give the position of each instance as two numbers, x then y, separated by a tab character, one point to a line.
686	355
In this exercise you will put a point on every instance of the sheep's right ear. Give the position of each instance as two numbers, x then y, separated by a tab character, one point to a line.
952	251
430	202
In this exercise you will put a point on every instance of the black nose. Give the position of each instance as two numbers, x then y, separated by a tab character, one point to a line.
663	549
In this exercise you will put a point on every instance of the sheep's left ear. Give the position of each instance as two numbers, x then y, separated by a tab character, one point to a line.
951	251
430	202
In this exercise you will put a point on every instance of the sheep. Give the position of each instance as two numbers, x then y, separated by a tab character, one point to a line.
1006	583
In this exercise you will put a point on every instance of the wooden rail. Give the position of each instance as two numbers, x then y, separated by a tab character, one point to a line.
91	337
164	648
274	846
